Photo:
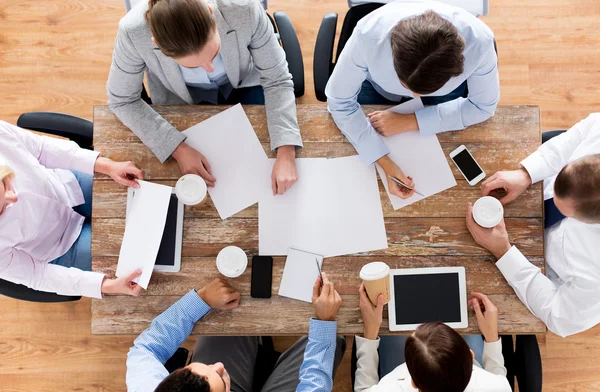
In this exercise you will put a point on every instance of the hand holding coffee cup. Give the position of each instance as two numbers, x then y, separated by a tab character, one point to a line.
376	279
494	238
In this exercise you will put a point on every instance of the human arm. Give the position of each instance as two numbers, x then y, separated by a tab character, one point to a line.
342	99
553	155
154	346
367	357
484	93
317	368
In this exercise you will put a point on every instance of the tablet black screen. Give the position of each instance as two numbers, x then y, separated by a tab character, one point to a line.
166	252
424	298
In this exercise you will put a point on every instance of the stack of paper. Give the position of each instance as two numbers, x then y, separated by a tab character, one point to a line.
237	159
333	209
143	230
418	156
300	274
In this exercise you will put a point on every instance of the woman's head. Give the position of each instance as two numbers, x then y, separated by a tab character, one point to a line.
185	30
7	193
438	359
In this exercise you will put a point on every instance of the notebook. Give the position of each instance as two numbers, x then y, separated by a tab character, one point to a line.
300	274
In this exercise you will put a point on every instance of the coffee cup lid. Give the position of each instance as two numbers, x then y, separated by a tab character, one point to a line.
375	270
488	211
190	189
232	261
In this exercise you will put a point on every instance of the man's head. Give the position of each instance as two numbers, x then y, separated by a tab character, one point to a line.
197	377
427	52
438	359
7	193
577	189
186	31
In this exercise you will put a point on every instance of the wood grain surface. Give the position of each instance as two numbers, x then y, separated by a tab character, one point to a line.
428	233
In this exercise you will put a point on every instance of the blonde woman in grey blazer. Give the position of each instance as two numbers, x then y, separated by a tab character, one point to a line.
199	51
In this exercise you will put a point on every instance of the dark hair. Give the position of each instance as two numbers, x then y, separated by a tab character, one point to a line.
180	27
579	181
183	380
438	359
427	51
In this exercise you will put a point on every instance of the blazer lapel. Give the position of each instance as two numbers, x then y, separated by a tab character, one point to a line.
173	75
229	48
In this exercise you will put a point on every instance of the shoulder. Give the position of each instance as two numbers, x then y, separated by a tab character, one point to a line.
238	8
134	23
485	381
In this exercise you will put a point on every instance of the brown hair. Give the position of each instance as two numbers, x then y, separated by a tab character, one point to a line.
579	181
183	380
180	27
427	51
438	359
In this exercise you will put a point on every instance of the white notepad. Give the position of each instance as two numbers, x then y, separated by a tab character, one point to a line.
420	157
144	230
333	209
300	274
236	157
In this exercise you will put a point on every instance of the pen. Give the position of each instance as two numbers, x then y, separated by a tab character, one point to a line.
397	181
319	269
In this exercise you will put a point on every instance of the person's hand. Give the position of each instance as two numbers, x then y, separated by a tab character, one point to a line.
124	173
372	315
123	285
284	171
218	294
190	161
388	123
391	169
487	316
326	301
513	182
495	240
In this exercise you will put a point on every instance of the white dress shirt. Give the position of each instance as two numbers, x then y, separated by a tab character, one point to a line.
492	379
568	298
368	56
41	226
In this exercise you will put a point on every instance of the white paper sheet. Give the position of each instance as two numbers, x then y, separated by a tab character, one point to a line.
333	209
420	157
300	274
144	230
236	157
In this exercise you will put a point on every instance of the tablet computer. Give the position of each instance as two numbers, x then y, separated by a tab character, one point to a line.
421	295
168	258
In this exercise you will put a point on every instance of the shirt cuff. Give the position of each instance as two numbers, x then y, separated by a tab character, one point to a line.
370	146
194	306
493	349
91	284
536	166
373	344
429	121
322	331
512	263
84	161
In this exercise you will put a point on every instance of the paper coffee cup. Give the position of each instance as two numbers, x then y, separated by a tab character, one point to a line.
191	189
488	211
376	278
232	261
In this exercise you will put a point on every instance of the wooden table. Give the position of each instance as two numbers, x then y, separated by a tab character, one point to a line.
429	233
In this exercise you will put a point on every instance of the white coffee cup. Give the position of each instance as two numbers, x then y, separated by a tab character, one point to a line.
376	278
191	189
232	261
488	211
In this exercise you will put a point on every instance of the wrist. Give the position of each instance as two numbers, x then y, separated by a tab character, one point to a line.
411	123
107	285
178	150
491	337
371	333
526	175
501	251
286	152
202	294
103	165
386	163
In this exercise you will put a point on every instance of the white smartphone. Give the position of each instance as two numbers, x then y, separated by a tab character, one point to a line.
467	165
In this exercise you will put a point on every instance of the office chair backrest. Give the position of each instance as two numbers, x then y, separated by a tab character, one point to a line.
476	7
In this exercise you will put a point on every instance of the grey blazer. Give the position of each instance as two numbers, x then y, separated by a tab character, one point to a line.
251	54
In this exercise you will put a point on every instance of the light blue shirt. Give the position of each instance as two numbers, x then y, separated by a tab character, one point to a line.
368	56
154	346
198	77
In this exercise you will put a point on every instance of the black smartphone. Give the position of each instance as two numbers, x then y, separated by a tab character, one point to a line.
262	276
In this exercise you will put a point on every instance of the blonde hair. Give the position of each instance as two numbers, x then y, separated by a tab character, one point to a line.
6	172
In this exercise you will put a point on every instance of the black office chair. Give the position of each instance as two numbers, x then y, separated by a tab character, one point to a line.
524	363
81	132
323	63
